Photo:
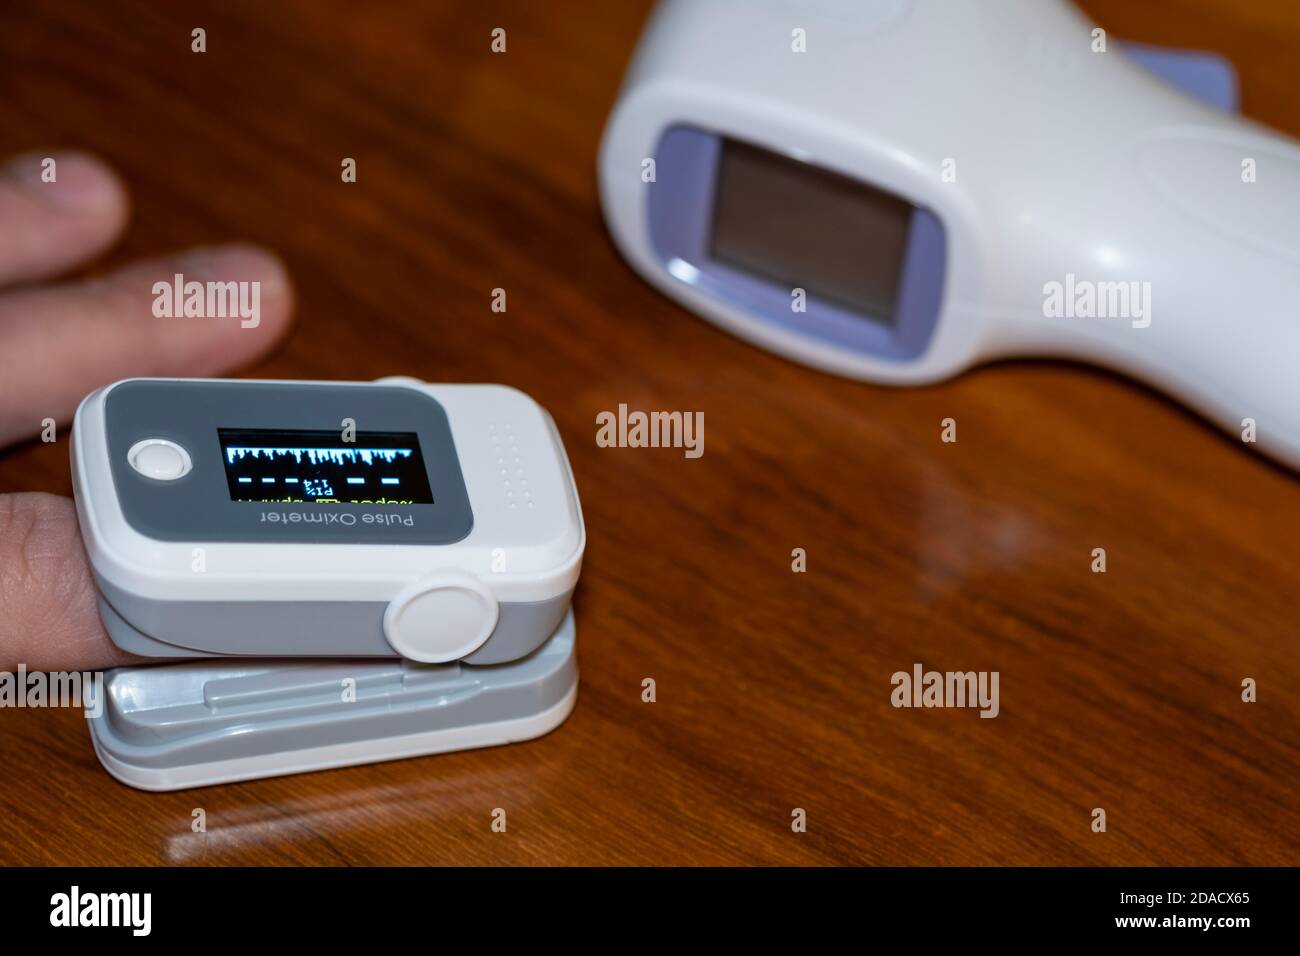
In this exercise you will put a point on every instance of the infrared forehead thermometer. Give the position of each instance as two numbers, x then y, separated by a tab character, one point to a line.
895	190
310	519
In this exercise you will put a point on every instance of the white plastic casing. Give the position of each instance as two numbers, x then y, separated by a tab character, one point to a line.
331	756
526	544
1067	161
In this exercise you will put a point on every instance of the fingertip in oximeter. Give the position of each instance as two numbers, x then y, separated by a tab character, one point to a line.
310	519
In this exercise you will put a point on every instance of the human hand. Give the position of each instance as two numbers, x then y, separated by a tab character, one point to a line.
59	342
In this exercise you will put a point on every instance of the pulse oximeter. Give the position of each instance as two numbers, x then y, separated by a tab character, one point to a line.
438	524
896	190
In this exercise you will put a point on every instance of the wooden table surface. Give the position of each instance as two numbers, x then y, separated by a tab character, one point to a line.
476	171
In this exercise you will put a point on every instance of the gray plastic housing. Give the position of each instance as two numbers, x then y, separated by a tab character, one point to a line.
199	507
208	722
352	628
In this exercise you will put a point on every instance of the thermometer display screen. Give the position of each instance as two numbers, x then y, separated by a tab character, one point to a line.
809	228
318	466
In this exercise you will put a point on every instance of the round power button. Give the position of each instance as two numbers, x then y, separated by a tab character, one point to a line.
160	459
440	618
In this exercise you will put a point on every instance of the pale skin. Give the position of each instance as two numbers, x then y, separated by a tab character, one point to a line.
60	340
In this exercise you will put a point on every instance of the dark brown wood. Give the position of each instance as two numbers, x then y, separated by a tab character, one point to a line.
1119	691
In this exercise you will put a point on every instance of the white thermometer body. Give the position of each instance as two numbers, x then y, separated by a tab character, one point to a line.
895	191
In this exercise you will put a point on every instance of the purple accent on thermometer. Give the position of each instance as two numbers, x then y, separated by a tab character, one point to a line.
1207	76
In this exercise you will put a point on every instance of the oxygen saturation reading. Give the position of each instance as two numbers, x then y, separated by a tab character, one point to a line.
267	465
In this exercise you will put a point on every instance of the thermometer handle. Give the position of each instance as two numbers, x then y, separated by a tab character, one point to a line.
1204	270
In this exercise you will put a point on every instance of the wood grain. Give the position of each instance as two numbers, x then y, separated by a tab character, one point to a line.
476	171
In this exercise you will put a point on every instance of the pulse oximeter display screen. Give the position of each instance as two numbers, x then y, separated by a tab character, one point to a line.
383	468
810	228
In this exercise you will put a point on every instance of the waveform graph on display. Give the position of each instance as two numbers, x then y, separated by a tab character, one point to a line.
320	467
